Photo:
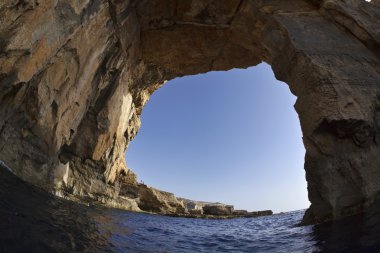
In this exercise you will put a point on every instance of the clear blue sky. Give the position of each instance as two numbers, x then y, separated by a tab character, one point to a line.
230	136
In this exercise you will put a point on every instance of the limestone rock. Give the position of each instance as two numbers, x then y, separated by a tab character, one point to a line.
218	209
193	207
196	212
153	200
75	75
259	213
240	212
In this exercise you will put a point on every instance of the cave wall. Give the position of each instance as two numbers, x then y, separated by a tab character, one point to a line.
75	75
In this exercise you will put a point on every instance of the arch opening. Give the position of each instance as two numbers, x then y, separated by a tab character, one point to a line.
227	136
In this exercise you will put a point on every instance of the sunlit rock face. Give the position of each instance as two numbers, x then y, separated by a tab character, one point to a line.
75	75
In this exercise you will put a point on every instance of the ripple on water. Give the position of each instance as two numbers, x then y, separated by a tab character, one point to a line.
33	221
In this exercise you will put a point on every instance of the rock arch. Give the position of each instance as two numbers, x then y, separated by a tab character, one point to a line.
74	77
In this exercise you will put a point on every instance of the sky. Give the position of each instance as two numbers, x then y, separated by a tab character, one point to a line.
227	136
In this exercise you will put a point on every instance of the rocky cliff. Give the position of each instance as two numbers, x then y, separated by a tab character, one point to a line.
161	202
75	75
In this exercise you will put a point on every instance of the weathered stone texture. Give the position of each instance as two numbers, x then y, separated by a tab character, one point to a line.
153	200
75	75
218	209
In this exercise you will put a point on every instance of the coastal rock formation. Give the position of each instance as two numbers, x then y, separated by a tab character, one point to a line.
75	76
156	201
153	200
218	209
207	208
193	207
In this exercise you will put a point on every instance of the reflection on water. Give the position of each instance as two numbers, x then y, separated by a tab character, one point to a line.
33	221
360	233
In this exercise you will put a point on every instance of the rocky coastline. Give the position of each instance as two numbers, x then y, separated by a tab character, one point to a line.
254	214
161	202
142	198
150	200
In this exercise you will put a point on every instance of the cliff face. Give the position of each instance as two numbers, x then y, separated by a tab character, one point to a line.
75	75
157	201
153	200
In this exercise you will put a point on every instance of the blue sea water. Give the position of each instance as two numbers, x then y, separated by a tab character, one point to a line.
34	221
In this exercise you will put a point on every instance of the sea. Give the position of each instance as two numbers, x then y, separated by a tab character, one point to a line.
32	220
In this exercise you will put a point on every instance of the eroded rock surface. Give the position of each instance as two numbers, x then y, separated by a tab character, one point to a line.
75	75
161	202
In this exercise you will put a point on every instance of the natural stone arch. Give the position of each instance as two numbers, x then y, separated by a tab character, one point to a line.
75	76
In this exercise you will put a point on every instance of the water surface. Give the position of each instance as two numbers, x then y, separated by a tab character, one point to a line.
34	221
